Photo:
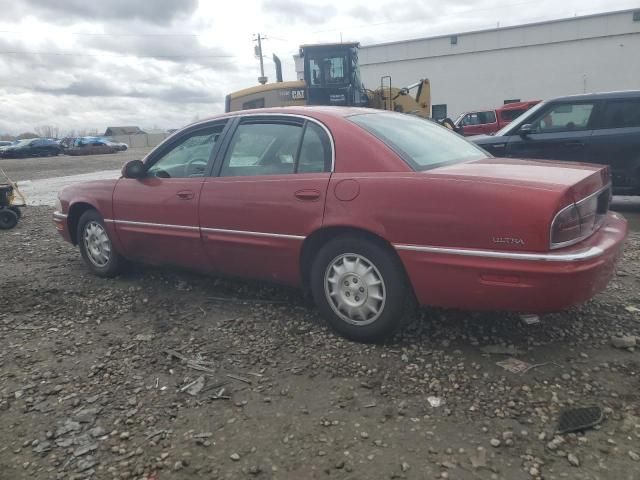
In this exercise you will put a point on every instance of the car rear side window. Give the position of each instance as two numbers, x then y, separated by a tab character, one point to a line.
315	152
277	147
423	144
262	148
622	113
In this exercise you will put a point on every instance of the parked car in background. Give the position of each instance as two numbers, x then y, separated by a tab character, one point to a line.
601	128
490	121
94	146
31	147
367	209
4	143
120	146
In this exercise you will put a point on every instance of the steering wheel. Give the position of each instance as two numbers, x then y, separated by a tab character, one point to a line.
195	166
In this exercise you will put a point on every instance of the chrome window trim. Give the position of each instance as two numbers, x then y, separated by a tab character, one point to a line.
585	254
239	114
568	243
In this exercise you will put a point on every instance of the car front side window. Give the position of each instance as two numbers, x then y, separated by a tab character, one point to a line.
189	157
564	117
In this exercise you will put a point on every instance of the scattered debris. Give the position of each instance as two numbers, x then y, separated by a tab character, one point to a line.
632	309
239	378
194	387
581	418
514	365
435	401
530	319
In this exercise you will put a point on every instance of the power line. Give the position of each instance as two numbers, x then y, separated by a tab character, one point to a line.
18	32
74	54
420	19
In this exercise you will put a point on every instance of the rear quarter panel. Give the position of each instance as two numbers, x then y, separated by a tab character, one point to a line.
420	209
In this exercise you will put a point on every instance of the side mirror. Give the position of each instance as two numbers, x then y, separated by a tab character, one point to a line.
133	169
525	130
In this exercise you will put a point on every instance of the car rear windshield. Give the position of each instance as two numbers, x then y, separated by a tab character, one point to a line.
423	144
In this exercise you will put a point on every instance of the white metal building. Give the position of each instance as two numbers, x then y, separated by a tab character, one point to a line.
484	69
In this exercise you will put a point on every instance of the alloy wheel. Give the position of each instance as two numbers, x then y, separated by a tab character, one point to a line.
97	244
355	289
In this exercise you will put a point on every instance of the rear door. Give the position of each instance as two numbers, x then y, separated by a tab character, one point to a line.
156	217
616	142
560	131
267	196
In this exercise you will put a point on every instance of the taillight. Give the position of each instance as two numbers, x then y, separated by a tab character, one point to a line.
580	220
566	226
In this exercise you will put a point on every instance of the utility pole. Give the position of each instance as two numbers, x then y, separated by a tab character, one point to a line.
261	79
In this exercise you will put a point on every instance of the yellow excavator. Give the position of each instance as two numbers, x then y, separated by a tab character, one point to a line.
332	77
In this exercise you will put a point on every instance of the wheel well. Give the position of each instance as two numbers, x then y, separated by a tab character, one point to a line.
317	239
75	212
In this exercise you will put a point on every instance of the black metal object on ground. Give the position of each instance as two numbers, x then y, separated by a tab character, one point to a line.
581	418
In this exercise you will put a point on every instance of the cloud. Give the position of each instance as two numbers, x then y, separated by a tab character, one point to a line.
182	49
159	12
292	11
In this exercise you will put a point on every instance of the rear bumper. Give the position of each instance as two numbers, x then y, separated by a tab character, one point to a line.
516	281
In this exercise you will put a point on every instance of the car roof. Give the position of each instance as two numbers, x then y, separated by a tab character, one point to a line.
599	96
316	111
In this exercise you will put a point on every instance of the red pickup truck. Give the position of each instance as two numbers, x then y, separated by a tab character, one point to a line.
485	122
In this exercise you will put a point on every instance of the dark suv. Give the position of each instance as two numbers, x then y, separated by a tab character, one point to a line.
595	128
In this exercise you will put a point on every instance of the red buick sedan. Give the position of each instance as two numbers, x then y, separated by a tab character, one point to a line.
370	211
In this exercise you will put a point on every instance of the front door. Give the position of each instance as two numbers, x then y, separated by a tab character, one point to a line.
268	195
156	217
561	131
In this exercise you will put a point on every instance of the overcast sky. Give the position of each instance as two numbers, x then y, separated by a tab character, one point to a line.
80	64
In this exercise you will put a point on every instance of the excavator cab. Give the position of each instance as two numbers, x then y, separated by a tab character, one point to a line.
332	74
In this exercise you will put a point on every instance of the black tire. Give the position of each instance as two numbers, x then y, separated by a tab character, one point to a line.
17	211
392	313
114	262
8	219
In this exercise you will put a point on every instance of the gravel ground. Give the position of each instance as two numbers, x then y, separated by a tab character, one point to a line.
20	169
163	374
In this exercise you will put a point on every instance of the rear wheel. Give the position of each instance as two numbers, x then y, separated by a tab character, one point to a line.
8	219
17	211
361	289
96	247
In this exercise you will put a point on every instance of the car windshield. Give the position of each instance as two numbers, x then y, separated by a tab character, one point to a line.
515	123
421	143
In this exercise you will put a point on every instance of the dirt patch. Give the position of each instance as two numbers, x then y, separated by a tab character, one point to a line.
101	379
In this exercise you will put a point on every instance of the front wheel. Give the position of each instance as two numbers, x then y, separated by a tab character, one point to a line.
96	247
361	289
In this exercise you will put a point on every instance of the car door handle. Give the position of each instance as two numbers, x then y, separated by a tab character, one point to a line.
574	144
308	195
185	195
